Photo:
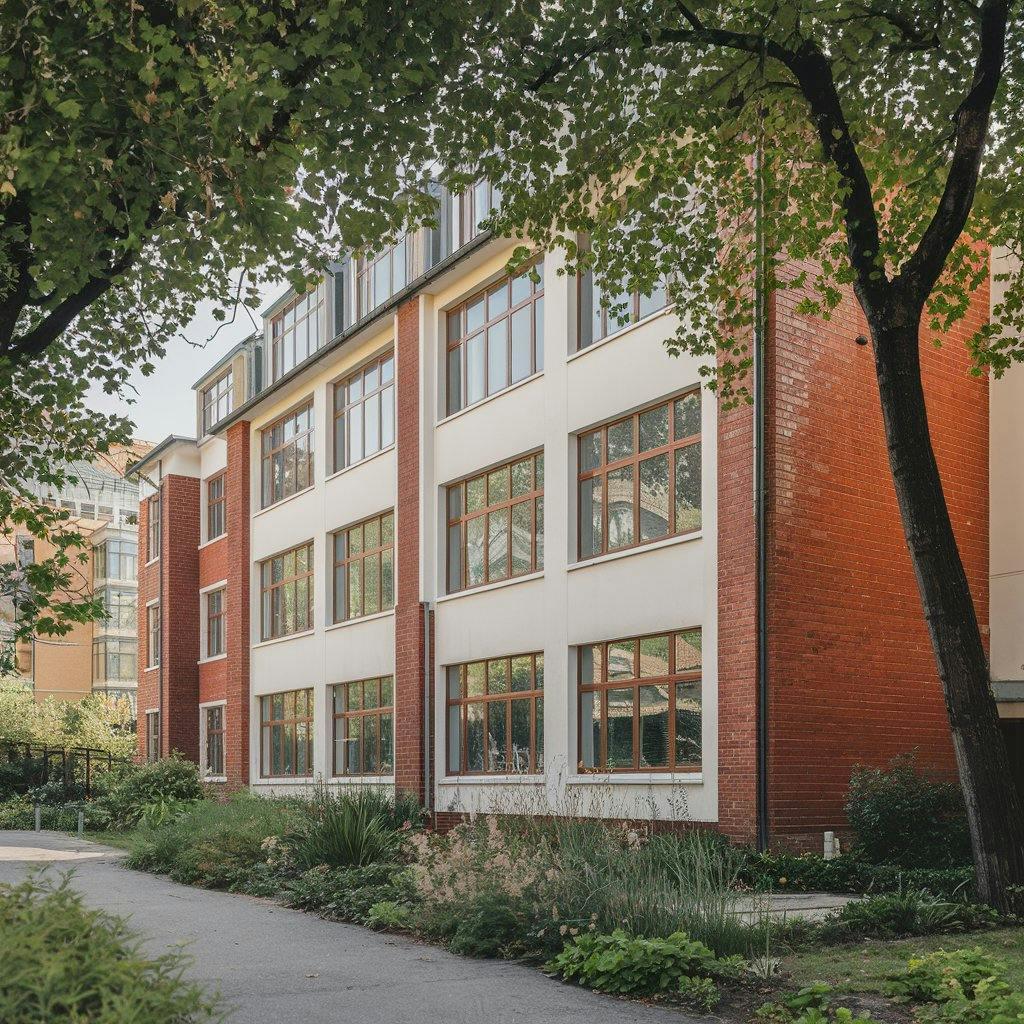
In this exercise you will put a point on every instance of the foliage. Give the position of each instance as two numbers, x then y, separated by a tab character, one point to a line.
700	993
897	914
19	813
346	830
156	788
388	915
62	961
941	976
625	965
900	816
349	894
493	923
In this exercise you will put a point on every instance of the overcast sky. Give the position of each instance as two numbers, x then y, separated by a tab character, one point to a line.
165	403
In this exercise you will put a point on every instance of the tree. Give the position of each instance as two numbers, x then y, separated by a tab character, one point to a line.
163	152
888	143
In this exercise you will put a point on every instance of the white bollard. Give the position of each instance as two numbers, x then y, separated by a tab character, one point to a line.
81	823
39	818
830	851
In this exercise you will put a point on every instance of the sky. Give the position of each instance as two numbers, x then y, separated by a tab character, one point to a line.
165	402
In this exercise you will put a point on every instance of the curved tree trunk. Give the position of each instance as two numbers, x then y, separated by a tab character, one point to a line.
993	804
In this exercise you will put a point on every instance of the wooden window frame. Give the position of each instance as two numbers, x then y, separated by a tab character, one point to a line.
153	527
456	318
343	410
604	468
367	268
294	720
218	393
459	491
152	736
286	446
340	723
670	680
209	734
216	507
344	564
608	330
469	215
115	554
279	334
461	704
268	589
121	605
215	622
114	650
154	635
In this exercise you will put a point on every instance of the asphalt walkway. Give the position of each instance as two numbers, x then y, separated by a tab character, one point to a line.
273	964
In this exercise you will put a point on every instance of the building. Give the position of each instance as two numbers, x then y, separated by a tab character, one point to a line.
456	532
94	657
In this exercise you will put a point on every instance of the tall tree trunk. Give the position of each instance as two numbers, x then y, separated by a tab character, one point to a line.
993	804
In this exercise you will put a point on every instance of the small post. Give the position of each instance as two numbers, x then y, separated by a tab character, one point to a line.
830	846
81	823
39	818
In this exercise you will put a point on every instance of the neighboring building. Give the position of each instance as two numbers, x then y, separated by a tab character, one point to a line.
456	533
94	657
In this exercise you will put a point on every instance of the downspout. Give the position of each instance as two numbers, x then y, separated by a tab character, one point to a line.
428	692
760	496
160	611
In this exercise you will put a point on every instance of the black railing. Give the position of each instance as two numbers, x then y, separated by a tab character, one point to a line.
27	766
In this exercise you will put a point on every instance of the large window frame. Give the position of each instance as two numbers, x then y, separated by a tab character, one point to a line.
608	468
364	412
479	696
295	331
609	670
121	607
214	730
154	634
218	399
362	553
152	736
115	659
363	728
116	559
286	590
286	455
483	509
286	734
214	622
476	202
216	506
495	338
382	275
153	528
596	319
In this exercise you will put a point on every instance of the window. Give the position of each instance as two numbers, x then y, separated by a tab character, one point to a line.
153	530
114	660
105	513
218	400
213	743
115	559
475	204
214	623
496	338
288	455
286	582
152	735
496	716
496	524
381	276
119	604
640	478
286	732
295	332
364	412
363	727
640	703
364	568
153	623
215	507
602	314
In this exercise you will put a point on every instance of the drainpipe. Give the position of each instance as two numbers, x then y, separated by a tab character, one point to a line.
760	495
428	789
160	612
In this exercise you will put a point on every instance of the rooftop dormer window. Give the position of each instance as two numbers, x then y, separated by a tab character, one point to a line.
218	400
296	332
381	276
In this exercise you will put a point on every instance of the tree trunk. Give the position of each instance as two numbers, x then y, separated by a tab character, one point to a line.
993	804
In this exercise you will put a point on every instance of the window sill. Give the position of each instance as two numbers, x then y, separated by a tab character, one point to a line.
151	668
361	462
490	398
635	779
215	779
487	587
283	501
216	657
207	543
492	780
152	561
358	619
657	545
282	639
620	333
361	780
282	780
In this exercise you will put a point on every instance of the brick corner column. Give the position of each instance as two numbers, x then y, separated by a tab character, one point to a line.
409	610
237	689
147	694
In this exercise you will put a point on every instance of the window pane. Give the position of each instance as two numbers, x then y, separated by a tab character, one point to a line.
654	656
387	689
370	762
454	380
454	558
522	538
387	415
522	477
652	303
620	728
355	434
371	419
620	508
355	589
353	759
687	415
475	550
387	743
387	579
497	676
520	759
591	514
497	736
590	732
371	585
497	485
475	315
590	664
497	357
654	498
539	520
621	659
688	651
475	738
538	334
476	494
454	738
475	369
522	344
653	713
688	487
497	544
522	674
497	301
620	441
688	723
590	451
476	679
371	534
521	288
539	718
653	428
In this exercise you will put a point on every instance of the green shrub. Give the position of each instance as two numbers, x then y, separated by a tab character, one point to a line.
388	914
19	813
700	993
123	794
901	817
63	962
625	965
347	830
491	924
349	894
942	976
894	915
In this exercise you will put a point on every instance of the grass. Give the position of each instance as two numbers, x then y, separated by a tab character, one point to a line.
864	966
121	840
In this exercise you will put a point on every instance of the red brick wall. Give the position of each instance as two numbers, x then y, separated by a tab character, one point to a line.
213	567
236	623
148	694
409	707
852	676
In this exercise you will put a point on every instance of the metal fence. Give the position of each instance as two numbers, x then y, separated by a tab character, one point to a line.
30	765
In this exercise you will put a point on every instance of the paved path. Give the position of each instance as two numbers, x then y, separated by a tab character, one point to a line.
275	965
